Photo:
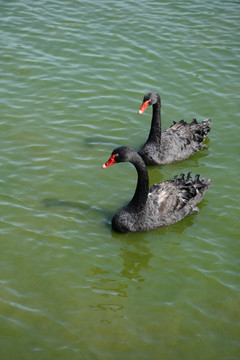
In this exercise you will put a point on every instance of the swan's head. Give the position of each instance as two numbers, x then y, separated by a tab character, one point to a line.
121	154
149	99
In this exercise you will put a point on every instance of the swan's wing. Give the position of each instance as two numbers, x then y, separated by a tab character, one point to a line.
194	131
183	139
171	200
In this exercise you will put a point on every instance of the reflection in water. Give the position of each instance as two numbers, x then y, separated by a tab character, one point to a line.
135	258
104	284
112	293
107	287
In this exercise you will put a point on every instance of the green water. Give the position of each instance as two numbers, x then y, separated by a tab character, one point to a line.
73	75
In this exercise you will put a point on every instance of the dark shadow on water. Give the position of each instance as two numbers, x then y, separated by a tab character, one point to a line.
66	204
98	141
91	212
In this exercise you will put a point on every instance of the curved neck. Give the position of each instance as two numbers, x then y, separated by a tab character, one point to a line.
155	132
141	193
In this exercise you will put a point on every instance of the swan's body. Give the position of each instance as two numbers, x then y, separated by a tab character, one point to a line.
176	143
161	205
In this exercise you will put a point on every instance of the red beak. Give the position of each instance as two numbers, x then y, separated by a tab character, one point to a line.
144	106
110	161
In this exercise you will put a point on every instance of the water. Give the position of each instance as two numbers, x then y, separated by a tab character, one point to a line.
73	75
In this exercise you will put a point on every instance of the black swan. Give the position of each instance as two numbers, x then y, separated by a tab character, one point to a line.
163	204
175	143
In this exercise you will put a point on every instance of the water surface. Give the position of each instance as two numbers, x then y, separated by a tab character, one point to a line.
73	75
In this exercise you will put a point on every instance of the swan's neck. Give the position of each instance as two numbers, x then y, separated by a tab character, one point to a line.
155	132
141	193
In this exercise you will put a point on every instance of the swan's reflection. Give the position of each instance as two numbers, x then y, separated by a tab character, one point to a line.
135	255
134	261
110	294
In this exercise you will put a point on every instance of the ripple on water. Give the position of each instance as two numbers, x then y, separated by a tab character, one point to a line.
73	76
